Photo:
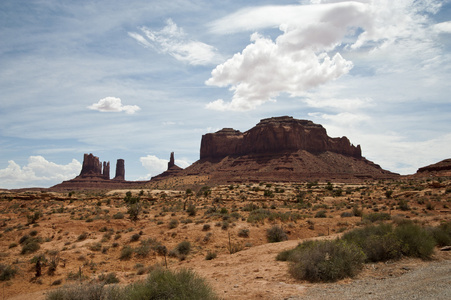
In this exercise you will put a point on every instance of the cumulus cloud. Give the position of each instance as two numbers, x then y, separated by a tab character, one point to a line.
307	52
265	69
156	165
173	40
113	104
37	172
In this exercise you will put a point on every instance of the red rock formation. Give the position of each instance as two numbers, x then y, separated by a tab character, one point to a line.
171	162
106	170
120	170
275	135
442	168
91	165
281	149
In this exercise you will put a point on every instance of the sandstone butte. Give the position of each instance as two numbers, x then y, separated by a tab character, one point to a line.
280	149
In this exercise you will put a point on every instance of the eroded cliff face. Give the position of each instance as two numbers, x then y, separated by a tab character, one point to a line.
273	136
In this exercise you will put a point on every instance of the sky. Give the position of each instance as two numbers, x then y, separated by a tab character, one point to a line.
139	79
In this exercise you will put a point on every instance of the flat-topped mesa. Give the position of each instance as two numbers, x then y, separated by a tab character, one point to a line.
120	170
272	136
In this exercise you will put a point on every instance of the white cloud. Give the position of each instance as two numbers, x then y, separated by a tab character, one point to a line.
38	172
444	27
173	40
265	69
306	54
113	104
156	165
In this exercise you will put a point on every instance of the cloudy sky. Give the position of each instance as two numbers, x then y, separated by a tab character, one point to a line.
138	79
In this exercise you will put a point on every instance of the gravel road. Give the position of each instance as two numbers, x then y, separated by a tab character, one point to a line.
431	281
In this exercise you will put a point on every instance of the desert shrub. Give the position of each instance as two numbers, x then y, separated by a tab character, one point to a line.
143	250
346	214
379	243
108	278
415	241
79	292
206	227
320	214
82	236
326	260
135	237
374	217
356	211
30	246
12	245
167	284
183	248
118	215
191	210
95	247
276	234
210	255
173	223
243	233
133	211
7	272
403	205
126	253
442	234
258	215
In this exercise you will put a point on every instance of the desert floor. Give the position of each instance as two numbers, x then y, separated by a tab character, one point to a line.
87	235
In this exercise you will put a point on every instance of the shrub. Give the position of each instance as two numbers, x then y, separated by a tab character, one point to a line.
183	248
7	272
379	243
320	214
276	234
326	260
79	292
415	241
135	237
374	217
173	223
167	284
243	233
134	210
118	215
210	255
82	236
126	253
206	227
30	246
191	210
442	234
109	278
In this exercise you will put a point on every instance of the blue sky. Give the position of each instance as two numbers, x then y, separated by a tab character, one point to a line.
139	79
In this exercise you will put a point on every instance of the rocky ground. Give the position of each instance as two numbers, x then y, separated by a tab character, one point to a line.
85	234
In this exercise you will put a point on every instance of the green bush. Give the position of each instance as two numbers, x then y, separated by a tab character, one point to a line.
183	248
379	243
276	234
442	234
167	284
415	241
326	260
